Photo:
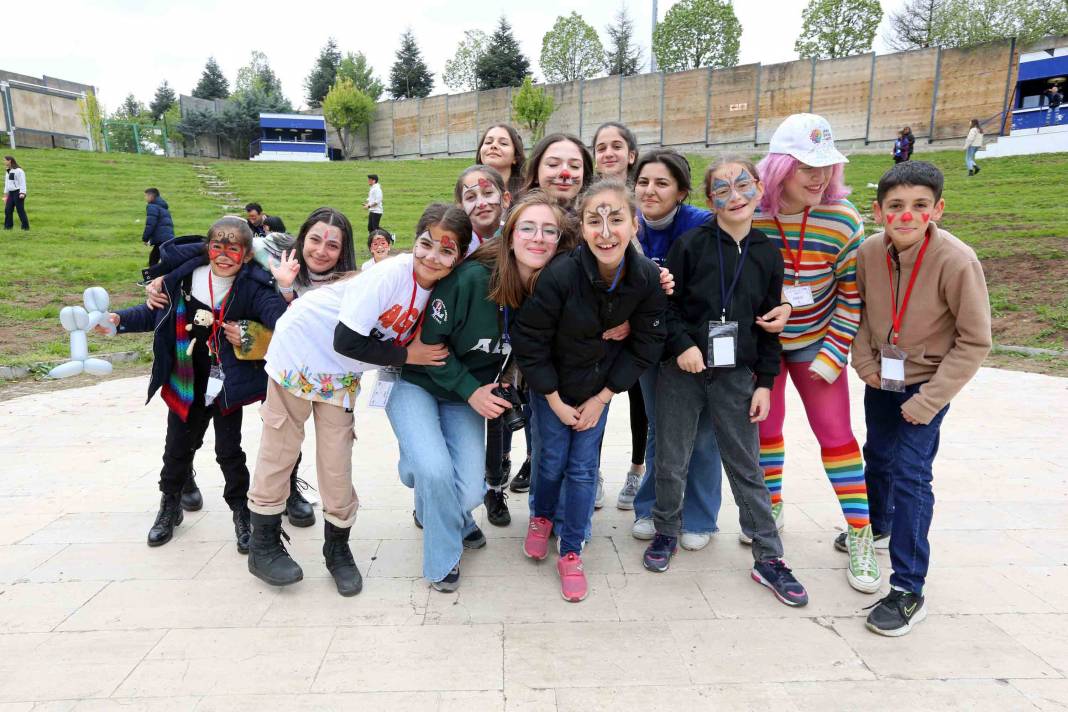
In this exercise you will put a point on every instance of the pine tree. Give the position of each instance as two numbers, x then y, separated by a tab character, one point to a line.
164	99
323	74
624	55
502	64
357	70
212	84
130	109
409	78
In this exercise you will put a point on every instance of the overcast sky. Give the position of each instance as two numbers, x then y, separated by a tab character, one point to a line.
122	46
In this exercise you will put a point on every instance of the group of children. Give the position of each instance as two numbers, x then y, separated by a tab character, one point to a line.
547	288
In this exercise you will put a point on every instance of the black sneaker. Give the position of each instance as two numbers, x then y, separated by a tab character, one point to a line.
658	554
776	575
475	540
882	542
450	583
895	615
521	481
497	507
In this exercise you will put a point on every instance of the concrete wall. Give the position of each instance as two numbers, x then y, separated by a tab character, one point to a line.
45	110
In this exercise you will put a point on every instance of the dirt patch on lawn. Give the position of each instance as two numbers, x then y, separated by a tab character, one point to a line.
1028	295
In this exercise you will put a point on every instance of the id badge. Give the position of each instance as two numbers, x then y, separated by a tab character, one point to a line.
387	377
215	384
799	295
722	344
893	369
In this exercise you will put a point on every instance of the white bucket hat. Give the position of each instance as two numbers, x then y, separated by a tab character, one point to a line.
808	138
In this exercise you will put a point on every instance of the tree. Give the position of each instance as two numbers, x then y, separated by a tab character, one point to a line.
348	110
164	99
697	33
323	74
970	22
197	123
212	84
239	122
916	25
129	110
532	107
409	78
624	56
258	75
461	71
502	64
837	28
92	119
571	50
357	70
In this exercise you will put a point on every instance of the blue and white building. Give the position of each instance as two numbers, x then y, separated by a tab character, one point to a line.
290	137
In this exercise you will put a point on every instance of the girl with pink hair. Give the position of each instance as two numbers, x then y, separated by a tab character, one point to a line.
804	211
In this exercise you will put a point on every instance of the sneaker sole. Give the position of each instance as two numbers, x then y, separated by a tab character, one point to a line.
625	504
298	521
500	521
194	508
535	556
276	582
519	487
903	630
655	569
862	586
476	544
880	545
763	582
574	599
441	587
642	536
696	548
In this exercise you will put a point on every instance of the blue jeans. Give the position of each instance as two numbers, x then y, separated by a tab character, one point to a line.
897	466
442	453
571	457
704	482
969	157
535	458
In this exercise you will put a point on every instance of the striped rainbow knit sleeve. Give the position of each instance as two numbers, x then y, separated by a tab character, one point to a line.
845	320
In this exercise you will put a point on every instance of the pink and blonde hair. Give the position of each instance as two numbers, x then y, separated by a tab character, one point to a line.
776	168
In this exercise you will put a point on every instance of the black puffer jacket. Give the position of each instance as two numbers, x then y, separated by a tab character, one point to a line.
557	335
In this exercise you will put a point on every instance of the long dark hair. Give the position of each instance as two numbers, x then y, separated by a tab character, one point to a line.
515	180
346	262
14	163
449	217
628	136
530	179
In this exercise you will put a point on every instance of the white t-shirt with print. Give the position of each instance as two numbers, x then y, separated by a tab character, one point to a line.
369	303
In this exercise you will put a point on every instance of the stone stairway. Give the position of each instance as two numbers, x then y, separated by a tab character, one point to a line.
216	187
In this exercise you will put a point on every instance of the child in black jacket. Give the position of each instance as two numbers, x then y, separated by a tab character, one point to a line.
195	367
573	372
726	275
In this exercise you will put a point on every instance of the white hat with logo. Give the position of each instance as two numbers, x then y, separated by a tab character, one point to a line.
808	138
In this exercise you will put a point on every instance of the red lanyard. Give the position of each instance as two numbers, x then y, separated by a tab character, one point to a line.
899	314
794	258
213	340
415	328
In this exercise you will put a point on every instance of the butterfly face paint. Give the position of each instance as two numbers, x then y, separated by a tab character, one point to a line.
230	250
723	190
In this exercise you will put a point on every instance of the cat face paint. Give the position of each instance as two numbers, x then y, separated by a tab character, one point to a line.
565	178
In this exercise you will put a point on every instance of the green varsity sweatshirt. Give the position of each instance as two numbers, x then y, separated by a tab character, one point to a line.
460	315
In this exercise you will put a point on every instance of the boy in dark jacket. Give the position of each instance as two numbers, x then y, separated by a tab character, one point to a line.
159	227
726	275
195	367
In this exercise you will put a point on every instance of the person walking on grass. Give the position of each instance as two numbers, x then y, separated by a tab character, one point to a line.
14	194
973	143
373	203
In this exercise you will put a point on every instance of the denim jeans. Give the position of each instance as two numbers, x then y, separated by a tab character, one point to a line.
442	449
897	466
704	482
969	157
726	395
566	457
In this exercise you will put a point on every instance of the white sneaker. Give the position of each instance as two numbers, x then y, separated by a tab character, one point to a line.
629	491
694	542
643	529
598	501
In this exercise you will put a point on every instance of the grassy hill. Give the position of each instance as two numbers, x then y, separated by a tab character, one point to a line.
87	212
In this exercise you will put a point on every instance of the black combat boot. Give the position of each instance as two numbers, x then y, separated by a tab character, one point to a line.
268	559
192	500
339	561
242	528
298	509
168	517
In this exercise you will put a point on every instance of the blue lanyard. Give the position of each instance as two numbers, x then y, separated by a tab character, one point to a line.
726	295
504	327
619	271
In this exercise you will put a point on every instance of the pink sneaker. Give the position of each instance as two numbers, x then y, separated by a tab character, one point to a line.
536	545
573	585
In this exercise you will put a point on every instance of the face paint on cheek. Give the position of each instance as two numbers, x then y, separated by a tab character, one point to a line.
890	218
717	185
926	217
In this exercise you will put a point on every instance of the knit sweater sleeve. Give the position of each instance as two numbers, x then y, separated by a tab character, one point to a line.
845	320
864	360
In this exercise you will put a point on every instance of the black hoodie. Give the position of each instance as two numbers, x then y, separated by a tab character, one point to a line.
557	335
694	262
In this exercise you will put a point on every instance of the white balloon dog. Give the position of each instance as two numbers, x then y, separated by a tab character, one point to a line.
78	321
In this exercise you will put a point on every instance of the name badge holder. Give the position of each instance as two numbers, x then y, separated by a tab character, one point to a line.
722	344
893	369
215	384
387	378
799	295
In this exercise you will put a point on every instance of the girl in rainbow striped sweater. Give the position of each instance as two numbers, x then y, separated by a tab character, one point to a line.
805	212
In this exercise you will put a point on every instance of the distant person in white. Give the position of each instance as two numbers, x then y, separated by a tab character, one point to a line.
374	203
14	194
379	243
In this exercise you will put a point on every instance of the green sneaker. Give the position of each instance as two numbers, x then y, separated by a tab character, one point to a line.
863	572
776	511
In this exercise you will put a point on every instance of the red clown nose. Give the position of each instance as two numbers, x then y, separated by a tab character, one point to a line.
906	217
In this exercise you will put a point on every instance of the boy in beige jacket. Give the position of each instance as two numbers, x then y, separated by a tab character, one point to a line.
924	332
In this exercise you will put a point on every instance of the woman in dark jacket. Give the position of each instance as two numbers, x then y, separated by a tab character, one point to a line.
195	367
573	372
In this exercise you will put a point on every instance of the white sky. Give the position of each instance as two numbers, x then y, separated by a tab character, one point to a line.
122	46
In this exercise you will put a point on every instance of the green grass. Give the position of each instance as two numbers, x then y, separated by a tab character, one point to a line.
87	212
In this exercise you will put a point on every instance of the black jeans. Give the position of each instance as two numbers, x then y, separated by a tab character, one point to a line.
499	447
184	439
727	393
14	202
639	425
373	220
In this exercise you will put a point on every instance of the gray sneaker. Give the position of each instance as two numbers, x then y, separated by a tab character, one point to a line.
629	491
450	583
598	501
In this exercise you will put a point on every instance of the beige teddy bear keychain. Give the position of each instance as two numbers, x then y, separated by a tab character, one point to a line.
203	317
